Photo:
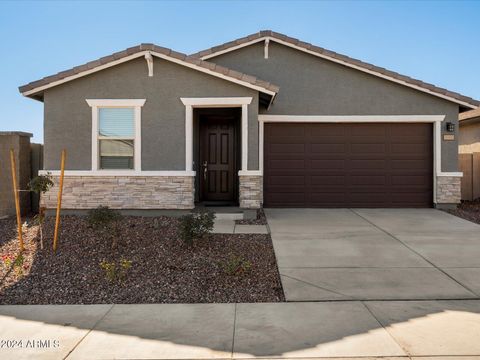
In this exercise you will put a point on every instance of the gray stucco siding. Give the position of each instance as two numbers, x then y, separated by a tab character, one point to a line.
310	85
68	118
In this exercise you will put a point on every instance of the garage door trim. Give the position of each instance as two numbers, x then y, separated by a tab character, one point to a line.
436	120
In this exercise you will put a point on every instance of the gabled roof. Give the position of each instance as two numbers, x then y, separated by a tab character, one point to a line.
469	117
35	88
465	101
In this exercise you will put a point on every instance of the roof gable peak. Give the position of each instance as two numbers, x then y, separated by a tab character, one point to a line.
374	70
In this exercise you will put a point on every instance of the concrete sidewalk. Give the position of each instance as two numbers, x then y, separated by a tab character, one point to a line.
353	329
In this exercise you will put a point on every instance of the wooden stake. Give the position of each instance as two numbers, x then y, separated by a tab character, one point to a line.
17	199
59	200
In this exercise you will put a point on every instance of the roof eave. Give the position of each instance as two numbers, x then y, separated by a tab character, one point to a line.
205	67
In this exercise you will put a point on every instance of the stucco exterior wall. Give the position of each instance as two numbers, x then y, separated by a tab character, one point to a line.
68	118
469	138
20	143
310	85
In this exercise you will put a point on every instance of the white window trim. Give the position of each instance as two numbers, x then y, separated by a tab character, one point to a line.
191	103
436	120
137	104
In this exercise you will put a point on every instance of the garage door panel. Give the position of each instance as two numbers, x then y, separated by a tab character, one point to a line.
327	148
348	165
367	164
368	148
287	180
317	164
287	148
367	130
327	180
368	180
410	164
328	130
409	149
280	131
413	180
291	164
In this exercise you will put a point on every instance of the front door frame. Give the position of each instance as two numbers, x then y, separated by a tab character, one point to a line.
233	119
219	102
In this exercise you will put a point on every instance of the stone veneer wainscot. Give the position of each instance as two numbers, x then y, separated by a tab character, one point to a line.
251	191
123	192
448	190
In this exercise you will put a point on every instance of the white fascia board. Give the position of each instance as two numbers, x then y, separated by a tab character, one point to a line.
351	118
142	54
84	73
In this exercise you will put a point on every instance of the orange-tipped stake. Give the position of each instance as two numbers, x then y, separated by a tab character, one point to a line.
59	200
17	199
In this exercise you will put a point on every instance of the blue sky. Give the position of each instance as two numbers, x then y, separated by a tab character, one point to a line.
437	42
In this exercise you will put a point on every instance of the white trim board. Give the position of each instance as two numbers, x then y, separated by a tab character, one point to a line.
436	120
339	61
350	118
115	102
142	54
117	173
217	102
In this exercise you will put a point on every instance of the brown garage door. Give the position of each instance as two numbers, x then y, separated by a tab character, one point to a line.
348	165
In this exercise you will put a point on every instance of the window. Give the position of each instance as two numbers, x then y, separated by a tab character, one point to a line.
116	134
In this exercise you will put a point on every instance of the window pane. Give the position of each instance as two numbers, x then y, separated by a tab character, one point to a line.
116	154
118	122
116	163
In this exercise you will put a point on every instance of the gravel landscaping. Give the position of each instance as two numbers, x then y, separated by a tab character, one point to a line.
150	264
469	210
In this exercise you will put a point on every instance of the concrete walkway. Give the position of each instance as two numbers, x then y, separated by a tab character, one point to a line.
353	329
223	226
375	254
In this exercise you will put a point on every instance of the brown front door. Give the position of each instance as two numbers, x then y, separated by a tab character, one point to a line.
348	165
217	158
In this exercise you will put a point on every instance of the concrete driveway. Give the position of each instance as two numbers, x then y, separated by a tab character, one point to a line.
375	254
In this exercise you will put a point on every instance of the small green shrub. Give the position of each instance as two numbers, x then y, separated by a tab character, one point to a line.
102	217
116	271
236	265
15	261
196	225
40	184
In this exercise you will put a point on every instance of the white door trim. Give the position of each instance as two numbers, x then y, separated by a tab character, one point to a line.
436	120
191	103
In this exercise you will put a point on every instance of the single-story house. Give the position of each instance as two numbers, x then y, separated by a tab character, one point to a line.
265	120
469	135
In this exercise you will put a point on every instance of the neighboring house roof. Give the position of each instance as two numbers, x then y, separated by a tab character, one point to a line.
35	88
469	117
465	101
